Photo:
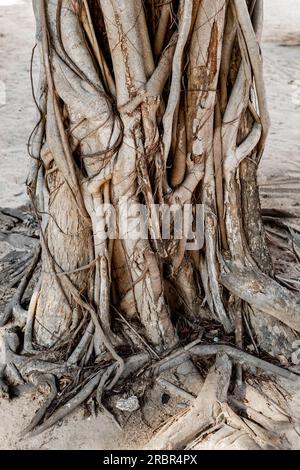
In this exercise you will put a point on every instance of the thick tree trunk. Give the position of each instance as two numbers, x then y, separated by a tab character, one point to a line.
154	104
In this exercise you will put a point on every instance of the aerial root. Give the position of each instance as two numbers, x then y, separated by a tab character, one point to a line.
178	35
14	307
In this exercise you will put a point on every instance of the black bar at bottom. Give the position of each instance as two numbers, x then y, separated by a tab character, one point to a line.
136	459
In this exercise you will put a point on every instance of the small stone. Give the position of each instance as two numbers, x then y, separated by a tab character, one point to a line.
216	339
128	404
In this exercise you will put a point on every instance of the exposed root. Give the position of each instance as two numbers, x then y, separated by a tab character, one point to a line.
14	306
203	412
241	357
4	389
215	414
70	406
265	294
41	380
99	381
116	110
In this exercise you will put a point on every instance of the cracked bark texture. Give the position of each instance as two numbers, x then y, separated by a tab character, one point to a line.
182	122
153	103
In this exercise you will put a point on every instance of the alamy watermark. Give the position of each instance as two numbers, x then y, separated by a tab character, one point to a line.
134	221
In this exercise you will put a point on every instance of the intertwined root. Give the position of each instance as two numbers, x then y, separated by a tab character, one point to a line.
220	410
121	122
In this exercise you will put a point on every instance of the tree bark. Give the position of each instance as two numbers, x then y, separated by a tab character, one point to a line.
156	104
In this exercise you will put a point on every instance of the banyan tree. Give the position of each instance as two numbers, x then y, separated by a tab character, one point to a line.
160	105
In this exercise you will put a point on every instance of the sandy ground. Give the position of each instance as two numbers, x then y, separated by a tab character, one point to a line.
279	176
279	172
17	113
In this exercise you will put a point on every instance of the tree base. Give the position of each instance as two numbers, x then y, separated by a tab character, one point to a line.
219	411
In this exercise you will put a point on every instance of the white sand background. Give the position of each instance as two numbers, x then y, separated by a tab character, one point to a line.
279	175
281	50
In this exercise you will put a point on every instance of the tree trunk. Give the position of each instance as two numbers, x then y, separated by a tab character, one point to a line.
147	104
